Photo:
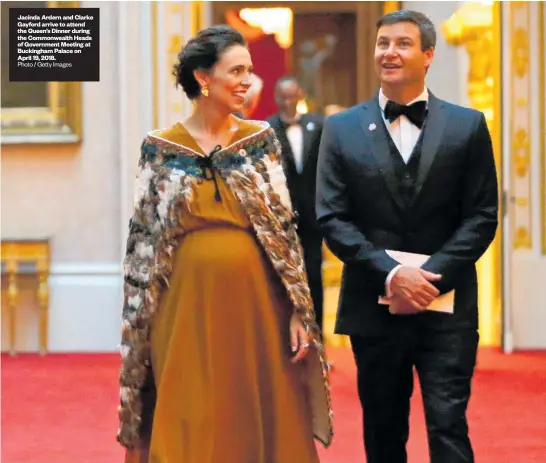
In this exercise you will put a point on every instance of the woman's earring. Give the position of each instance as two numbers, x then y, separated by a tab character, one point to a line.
205	91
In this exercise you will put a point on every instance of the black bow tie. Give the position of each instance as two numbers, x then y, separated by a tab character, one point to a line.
415	112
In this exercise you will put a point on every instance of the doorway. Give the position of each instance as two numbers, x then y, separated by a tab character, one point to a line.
524	140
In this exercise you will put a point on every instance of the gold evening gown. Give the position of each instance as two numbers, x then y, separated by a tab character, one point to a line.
226	389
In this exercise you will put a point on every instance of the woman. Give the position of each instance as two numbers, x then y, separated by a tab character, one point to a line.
221	358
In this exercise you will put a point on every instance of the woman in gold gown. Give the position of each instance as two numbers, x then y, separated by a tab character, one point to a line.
221	358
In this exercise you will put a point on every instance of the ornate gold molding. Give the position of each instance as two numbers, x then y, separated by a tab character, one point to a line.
520	124
520	50
173	23
60	121
477	27
521	148
522	240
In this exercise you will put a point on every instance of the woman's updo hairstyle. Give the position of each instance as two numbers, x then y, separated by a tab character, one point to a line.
203	52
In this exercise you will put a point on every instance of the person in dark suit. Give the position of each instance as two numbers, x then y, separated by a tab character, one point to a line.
299	136
407	171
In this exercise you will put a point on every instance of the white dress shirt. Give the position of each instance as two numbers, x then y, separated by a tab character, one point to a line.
294	133
402	131
404	134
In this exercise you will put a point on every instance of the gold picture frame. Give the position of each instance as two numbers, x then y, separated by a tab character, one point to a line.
59	121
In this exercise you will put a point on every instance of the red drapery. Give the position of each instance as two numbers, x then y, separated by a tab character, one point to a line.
269	61
269	64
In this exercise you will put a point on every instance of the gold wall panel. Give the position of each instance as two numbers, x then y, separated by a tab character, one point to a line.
477	27
542	117
176	35
173	23
520	125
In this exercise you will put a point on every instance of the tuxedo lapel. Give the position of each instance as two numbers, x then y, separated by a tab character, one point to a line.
287	154
432	137
371	122
308	130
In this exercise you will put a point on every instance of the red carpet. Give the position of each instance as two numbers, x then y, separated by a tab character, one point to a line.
62	409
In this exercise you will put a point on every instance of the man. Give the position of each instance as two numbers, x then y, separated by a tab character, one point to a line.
407	171
299	135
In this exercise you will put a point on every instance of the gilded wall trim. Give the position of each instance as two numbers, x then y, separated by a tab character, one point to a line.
521	125
177	34
542	119
173	23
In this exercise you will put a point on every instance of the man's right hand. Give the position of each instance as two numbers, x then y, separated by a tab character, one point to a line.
413	285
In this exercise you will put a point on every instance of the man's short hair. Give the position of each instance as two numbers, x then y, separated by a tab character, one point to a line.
425	25
284	79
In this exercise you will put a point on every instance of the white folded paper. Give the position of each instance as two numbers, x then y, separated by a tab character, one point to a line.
443	303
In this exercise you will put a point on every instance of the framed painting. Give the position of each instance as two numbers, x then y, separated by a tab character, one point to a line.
37	112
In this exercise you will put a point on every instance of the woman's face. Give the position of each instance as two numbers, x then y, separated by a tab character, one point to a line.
229	80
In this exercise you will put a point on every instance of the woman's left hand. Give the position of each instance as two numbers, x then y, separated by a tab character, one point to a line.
299	338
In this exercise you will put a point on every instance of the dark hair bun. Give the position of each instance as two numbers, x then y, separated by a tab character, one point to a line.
203	52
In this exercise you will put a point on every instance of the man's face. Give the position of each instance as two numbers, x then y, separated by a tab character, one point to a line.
399	59
287	95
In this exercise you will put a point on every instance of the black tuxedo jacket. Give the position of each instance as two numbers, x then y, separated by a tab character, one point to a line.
452	215
302	186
